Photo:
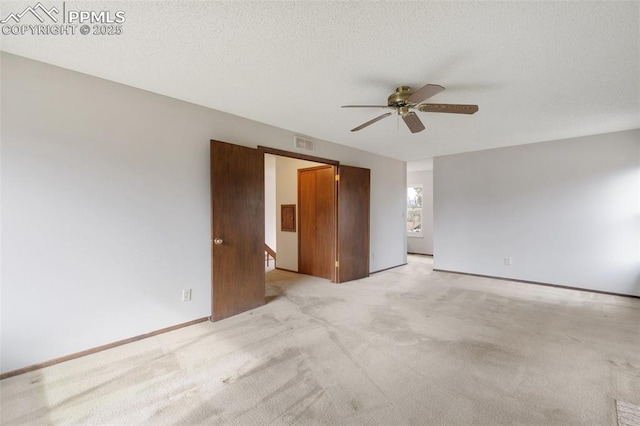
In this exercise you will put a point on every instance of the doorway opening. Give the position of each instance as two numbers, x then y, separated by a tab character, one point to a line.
238	225
300	214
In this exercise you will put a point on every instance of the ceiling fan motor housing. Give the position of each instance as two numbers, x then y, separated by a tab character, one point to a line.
399	97
398	100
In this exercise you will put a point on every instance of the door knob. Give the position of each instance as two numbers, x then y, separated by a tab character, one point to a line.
217	241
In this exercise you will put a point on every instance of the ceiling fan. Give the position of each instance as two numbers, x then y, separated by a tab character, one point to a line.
404	100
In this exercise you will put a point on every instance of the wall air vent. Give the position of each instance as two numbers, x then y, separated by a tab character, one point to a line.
302	143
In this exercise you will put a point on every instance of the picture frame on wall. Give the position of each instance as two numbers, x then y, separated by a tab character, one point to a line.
288	217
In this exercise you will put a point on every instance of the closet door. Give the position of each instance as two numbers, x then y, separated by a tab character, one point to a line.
353	223
317	212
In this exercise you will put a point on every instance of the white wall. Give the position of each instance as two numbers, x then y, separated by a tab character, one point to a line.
105	211
270	201
424	243
287	193
567	212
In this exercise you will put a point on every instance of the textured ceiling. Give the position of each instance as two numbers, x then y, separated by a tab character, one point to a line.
538	70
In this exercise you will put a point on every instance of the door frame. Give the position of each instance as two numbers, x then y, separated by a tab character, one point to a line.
296	155
336	171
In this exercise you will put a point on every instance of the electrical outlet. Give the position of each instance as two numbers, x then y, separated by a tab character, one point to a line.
507	261
186	295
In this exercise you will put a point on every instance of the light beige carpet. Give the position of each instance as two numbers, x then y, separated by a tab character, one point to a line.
405	346
628	414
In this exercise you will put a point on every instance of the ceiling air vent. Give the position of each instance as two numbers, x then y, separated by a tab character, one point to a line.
302	143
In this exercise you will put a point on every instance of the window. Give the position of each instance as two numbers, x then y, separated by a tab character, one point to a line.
414	211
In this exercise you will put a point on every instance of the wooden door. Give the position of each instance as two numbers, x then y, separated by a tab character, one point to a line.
353	223
317	212
237	226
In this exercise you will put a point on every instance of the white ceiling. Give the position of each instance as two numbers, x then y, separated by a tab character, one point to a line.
538	70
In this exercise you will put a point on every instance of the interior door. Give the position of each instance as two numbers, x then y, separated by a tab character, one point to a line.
237	226
354	189
317	212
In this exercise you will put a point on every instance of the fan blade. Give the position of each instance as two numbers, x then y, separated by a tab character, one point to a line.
365	106
451	108
362	126
424	93
413	122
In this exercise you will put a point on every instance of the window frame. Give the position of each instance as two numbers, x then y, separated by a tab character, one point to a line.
415	211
